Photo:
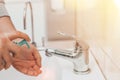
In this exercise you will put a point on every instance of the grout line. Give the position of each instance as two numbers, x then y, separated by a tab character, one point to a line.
107	54
110	58
98	65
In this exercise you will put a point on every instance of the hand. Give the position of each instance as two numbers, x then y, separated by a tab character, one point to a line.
27	61
5	47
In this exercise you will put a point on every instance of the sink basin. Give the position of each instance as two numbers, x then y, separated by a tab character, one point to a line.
55	68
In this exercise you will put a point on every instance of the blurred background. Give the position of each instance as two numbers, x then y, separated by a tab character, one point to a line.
95	21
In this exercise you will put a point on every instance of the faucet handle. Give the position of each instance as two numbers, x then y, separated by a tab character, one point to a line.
66	35
81	44
48	52
78	42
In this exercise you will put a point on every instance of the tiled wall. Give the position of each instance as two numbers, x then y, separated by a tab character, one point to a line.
99	23
106	60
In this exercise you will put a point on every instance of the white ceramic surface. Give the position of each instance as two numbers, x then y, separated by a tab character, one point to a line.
54	68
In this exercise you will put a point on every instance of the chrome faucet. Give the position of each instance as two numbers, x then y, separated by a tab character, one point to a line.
79	56
29	4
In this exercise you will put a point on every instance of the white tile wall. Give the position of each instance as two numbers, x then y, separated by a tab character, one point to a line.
106	61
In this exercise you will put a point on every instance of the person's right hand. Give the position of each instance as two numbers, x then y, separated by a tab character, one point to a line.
28	60
5	47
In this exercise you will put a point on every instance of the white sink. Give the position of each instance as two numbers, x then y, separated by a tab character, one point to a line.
55	68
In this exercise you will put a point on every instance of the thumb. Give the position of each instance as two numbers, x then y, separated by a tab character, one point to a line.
37	57
18	34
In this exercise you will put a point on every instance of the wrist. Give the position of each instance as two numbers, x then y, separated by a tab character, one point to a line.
6	24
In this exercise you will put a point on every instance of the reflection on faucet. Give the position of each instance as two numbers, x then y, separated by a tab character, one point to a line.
28	4
79	56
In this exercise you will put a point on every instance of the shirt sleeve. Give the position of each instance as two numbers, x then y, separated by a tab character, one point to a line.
3	11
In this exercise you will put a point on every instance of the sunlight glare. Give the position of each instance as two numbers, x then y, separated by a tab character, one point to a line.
89	3
117	2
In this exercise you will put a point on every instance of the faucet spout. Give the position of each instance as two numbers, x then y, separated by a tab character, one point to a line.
28	4
78	56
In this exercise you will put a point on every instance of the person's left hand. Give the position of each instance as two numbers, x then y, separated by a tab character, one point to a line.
27	61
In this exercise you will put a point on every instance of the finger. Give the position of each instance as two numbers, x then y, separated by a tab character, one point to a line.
23	63
21	69
32	72
37	57
7	60
1	63
37	69
19	34
26	71
1	67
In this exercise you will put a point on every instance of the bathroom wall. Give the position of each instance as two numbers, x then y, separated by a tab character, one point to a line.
60	16
98	23
16	10
113	38
90	18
